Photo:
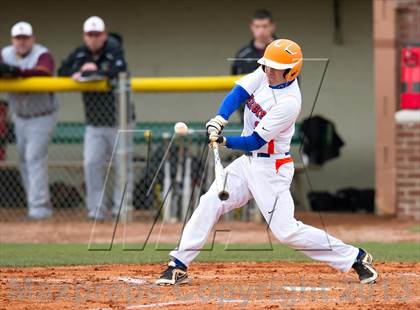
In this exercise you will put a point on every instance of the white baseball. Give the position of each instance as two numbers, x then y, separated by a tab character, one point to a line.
181	128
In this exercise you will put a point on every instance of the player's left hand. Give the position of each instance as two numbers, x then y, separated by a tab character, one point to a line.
214	137
216	124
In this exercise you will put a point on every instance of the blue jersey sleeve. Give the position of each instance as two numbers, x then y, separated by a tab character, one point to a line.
232	101
245	143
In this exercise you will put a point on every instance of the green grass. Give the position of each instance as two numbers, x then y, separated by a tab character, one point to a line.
26	255
414	229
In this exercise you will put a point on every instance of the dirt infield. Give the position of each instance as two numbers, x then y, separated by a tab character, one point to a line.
212	286
349	227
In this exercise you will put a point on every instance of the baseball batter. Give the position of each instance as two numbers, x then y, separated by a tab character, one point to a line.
266	170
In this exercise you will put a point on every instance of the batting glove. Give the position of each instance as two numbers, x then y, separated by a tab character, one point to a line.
216	124
213	138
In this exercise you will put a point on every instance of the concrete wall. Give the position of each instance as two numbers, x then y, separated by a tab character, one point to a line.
179	38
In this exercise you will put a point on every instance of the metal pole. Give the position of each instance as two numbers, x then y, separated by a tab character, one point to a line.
123	144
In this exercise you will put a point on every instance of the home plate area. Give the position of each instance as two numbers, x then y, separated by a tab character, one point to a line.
212	286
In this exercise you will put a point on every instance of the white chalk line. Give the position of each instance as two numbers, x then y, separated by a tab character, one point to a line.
244	301
219	301
36	280
143	281
306	288
410	274
138	281
186	302
162	304
200	301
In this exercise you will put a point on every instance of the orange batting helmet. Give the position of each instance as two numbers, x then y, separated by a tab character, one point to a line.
283	54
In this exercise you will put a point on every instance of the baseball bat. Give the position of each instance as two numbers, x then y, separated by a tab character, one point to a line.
186	184
219	174
167	182
177	188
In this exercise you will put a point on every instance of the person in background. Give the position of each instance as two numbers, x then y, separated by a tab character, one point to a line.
262	28
34	116
101	56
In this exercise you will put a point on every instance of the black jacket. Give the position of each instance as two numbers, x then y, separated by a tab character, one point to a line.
320	140
249	64
100	107
246	62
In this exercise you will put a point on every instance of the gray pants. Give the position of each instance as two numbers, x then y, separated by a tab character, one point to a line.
102	143
33	136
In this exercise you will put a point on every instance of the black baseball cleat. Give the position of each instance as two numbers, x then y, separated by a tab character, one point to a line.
173	275
364	268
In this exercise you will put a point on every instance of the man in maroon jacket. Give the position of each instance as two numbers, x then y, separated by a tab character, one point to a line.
34	115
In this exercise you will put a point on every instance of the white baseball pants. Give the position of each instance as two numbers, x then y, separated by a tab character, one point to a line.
32	138
257	177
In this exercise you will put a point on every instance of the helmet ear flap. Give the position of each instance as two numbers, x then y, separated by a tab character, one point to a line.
286	74
291	74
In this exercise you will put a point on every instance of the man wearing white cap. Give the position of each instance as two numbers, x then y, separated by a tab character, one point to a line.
34	115
101	55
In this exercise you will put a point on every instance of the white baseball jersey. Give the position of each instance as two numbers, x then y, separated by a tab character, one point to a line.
270	112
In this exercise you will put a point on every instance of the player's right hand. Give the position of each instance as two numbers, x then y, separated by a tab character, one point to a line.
89	66
215	138
216	124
